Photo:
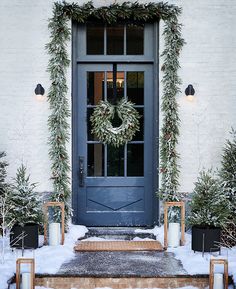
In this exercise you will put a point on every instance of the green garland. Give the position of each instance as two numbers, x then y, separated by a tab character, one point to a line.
169	167
102	126
57	96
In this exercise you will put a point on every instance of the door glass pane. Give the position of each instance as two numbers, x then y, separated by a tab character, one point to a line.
135	87
134	39
115	40
110	86
95	87
140	134
95	160
120	77
134	160
90	136
95	39
115	161
119	86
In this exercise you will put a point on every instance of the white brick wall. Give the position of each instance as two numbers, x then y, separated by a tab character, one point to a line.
208	62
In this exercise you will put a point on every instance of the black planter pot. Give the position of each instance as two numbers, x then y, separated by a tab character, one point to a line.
30	231
205	239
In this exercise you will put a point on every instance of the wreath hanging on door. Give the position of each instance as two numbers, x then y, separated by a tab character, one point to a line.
103	128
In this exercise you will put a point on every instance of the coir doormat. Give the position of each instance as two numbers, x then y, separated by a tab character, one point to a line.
93	246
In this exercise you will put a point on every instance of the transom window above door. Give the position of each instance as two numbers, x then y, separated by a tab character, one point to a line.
96	42
114	40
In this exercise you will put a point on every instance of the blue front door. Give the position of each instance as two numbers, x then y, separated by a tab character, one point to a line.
114	186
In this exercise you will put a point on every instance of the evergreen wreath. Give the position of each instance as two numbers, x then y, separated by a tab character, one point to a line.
103	128
57	97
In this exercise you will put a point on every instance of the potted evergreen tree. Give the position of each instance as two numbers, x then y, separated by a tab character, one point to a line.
209	212
25	211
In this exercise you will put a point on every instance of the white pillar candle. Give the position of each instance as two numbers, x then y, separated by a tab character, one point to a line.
218	281
54	234
26	281
174	235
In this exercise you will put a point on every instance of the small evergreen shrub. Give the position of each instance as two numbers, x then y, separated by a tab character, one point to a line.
209	205
25	202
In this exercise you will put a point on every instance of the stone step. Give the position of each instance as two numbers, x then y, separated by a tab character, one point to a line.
115	233
167	282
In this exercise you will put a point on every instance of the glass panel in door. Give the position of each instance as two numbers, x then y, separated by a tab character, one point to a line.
107	160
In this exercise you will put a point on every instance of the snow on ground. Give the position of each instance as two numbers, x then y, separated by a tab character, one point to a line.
142	239
48	259
99	239
96	239
195	263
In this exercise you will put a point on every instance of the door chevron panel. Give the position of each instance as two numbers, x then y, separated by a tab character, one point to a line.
115	199
116	208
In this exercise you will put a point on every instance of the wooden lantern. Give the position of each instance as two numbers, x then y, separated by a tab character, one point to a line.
54	204
166	206
213	262
31	263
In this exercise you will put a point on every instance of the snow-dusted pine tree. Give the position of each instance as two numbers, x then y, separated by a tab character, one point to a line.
3	173
3	193
228	172
25	202
209	206
6	223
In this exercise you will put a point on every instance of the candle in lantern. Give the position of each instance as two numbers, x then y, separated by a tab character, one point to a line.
218	281
26	280
54	234
174	234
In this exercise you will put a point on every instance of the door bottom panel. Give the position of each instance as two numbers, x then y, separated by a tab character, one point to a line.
115	199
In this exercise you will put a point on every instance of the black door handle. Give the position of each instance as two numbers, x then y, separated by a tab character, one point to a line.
81	171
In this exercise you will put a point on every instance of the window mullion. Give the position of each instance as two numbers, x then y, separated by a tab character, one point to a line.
124	39
125	85
105	40
125	160
105	85
114	82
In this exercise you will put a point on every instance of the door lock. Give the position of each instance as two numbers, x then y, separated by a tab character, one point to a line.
81	171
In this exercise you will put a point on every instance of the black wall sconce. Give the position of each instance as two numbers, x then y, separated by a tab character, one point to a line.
39	90
189	90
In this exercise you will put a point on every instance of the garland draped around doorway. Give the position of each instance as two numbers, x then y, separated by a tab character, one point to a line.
57	97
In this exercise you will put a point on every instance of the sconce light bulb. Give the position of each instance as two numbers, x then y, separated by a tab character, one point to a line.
190	98
40	97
